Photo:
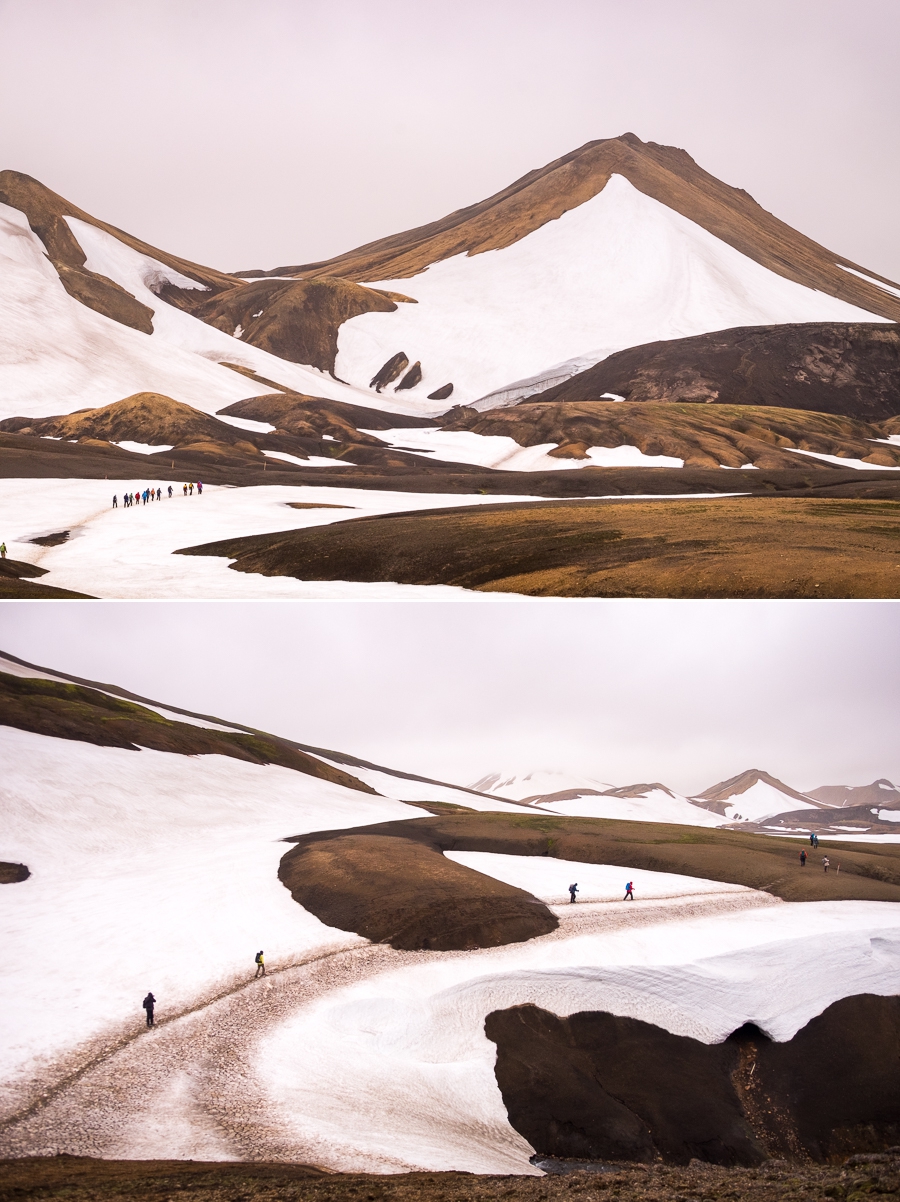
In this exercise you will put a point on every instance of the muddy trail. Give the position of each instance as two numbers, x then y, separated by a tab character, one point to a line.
188	1089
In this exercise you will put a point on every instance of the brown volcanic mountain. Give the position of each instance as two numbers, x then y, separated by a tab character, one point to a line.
880	793
665	173
716	796
829	367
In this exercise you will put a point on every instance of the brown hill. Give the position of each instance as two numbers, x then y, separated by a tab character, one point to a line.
716	796
146	417
311	417
666	173
701	435
881	793
830	367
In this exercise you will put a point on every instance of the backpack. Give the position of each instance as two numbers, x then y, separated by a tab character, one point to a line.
257	959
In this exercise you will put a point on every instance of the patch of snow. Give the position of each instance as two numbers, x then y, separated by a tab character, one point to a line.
143	448
311	461
762	801
892	440
238	331
402	789
620	270
499	451
548	879
128	553
518	785
891	288
150	870
611	396
246	423
857	464
889	815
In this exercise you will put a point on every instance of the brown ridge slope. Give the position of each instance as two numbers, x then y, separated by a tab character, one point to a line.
46	211
297	320
830	367
70	711
700	435
310	416
390	882
741	547
666	173
598	1086
17	583
717	795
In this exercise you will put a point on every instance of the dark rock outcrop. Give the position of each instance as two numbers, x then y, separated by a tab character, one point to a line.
389	372
441	394
12	874
601	1087
412	377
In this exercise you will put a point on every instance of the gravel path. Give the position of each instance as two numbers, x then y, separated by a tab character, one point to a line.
188	1089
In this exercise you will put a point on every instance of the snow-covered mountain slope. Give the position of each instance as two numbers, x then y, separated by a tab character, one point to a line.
652	805
753	795
522	786
619	270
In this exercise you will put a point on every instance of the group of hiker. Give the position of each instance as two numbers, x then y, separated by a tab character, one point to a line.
629	892
130	499
149	1002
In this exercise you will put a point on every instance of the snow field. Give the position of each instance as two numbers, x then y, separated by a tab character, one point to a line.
150	870
517	786
619	270
762	801
128	553
656	806
549	879
402	789
405	1052
504	453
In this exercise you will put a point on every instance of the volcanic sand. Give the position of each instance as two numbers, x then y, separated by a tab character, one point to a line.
741	547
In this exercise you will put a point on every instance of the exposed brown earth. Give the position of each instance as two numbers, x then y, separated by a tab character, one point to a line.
17	583
881	792
391	882
596	1086
732	436
80	1179
666	173
71	711
13	874
402	892
314	416
741	547
827	367
297	320
837	823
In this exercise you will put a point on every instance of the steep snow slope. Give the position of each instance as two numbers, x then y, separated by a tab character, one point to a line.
57	355
619	270
150	870
517	786
760	801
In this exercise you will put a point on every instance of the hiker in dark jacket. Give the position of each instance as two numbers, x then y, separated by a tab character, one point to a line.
260	964
802	859
148	1003
573	889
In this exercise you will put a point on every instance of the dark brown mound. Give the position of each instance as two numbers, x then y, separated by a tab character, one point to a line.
314	416
19	586
12	874
52	540
82	1180
600	1087
402	892
703	436
389	371
70	711
17	569
299	319
441	394
881	792
666	173
828	367
391	881
743	547
412	377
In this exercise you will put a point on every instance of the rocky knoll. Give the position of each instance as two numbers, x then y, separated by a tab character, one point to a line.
703	436
596	1086
828	367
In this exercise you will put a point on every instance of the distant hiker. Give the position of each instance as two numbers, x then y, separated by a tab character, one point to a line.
2	550
825	863
199	487
115	501
812	839
802	859
191	489
170	490
148	1003
815	840
573	889
629	892
159	494
260	965
184	489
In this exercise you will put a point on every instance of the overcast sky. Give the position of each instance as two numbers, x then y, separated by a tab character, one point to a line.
688	693
246	133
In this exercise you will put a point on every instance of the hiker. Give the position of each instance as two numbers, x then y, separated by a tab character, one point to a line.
184	489
148	1003
815	839
170	492
199	488
260	965
191	489
812	839
573	889
825	863
159	494
802	859
115	501
2	550
629	892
